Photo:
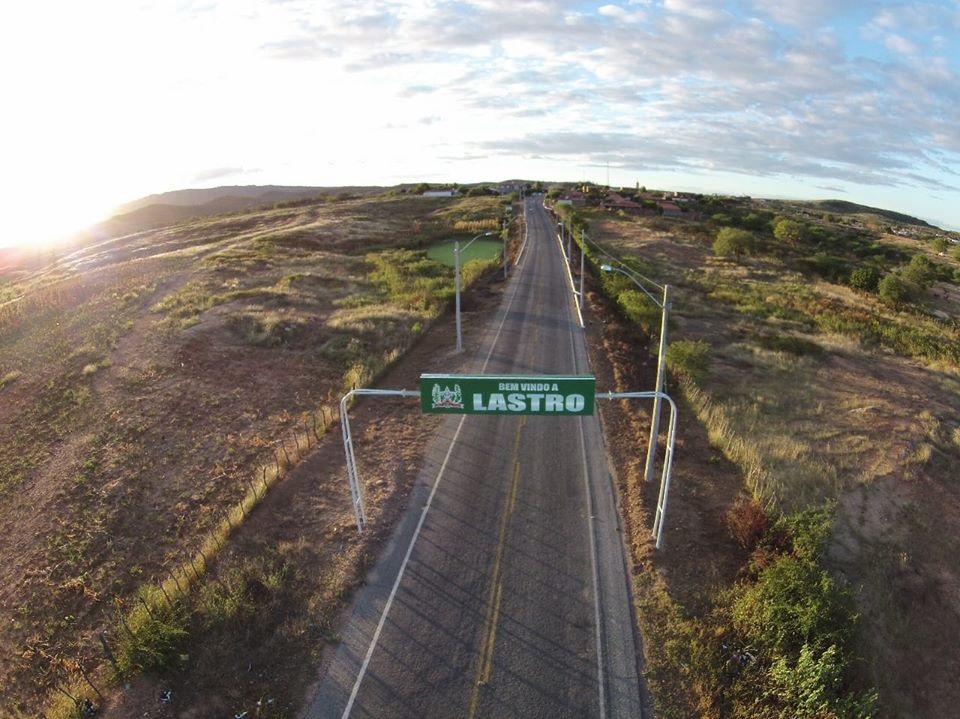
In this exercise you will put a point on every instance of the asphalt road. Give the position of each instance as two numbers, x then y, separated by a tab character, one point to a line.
503	592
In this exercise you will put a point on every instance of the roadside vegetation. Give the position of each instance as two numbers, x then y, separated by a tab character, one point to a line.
820	354
153	391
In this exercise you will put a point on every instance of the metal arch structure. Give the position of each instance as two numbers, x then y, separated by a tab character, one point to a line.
356	488
353	478
661	510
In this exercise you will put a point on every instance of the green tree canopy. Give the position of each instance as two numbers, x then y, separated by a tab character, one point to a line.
896	291
733	242
790	231
865	278
920	271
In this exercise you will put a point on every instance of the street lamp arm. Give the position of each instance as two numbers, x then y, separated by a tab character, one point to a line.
482	234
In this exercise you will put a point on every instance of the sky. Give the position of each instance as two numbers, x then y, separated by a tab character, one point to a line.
110	100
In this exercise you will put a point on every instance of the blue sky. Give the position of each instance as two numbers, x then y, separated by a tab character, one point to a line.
116	99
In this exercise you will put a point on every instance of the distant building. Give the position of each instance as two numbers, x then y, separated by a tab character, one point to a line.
618	203
669	209
441	193
572	197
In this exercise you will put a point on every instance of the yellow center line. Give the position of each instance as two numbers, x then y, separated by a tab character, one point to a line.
485	663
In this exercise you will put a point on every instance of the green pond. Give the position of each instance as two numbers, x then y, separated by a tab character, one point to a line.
482	249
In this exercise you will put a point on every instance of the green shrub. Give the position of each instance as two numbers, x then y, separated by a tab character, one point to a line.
689	358
790	231
895	291
638	308
152	640
865	279
805	533
813	687
920	271
733	242
409	278
794	603
827	266
788	343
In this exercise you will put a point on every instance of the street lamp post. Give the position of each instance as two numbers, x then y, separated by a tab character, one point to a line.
456	259
661	352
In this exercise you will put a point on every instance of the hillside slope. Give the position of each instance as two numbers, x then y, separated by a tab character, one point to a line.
152	386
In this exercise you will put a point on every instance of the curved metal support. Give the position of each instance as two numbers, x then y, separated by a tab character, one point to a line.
661	510
357	493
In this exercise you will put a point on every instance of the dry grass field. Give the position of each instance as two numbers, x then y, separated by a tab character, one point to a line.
153	389
805	410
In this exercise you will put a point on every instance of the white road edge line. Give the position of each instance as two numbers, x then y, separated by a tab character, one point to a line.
416	532
573	288
596	580
396	584
597	618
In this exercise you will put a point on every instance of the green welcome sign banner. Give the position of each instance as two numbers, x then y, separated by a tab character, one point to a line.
508	394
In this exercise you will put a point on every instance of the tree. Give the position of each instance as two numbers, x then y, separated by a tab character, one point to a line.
754	221
720	219
790	231
940	244
733	242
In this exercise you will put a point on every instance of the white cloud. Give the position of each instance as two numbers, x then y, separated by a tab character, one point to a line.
901	45
783	90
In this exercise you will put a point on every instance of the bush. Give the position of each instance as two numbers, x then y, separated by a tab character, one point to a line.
864	279
920	271
813	687
638	308
152	640
790	231
794	603
689	358
747	522
797	346
895	291
732	242
827	266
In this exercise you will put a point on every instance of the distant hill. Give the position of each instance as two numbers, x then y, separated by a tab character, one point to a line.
241	196
169	208
843	207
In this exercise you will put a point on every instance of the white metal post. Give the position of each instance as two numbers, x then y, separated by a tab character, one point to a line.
456	257
356	496
655	419
357	493
661	510
583	254
505	235
456	260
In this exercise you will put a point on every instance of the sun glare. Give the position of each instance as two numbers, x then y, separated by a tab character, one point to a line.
42	223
